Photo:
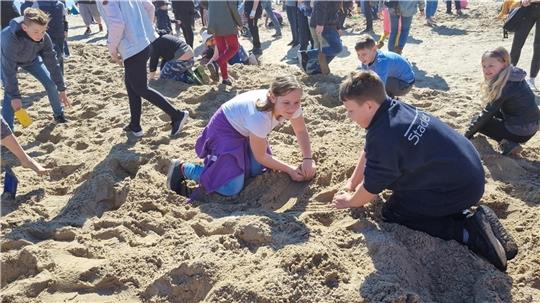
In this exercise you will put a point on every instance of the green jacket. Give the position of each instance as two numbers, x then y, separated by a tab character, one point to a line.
223	18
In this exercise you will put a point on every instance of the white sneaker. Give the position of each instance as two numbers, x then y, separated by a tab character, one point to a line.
531	84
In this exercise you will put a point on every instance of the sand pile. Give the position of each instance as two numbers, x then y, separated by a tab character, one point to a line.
103	227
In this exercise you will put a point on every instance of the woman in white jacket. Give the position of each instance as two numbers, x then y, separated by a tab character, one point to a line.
130	37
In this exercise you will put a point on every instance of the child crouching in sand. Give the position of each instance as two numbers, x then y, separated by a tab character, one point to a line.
435	173
234	144
510	115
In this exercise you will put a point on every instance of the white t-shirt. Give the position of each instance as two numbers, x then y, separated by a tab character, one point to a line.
242	113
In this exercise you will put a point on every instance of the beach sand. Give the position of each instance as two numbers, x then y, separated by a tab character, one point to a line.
104	228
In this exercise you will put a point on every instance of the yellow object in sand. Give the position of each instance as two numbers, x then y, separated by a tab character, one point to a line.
23	117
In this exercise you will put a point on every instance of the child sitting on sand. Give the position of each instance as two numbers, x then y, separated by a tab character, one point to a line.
510	114
176	58
210	52
234	143
393	69
435	173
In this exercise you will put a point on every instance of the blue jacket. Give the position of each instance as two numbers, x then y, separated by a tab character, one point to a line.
129	24
390	64
18	49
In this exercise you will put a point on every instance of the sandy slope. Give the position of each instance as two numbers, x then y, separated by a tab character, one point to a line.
103	228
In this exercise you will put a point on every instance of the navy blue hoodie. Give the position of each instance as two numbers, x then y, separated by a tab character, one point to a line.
428	165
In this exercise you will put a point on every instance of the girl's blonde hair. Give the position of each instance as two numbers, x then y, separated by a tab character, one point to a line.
491	89
281	86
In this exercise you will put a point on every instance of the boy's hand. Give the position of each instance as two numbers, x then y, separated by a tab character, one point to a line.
349	186
64	99
295	174
16	104
342	200
319	29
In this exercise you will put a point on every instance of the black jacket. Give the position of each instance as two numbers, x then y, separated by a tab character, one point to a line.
324	13
8	11
516	106
183	10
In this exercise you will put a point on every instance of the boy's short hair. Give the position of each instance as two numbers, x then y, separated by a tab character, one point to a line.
364	41
361	86
35	15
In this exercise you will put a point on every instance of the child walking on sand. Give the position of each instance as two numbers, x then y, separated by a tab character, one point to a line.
435	174
129	42
234	143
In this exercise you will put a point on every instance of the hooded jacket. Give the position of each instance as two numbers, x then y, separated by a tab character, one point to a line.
223	18
324	13
129	24
516	107
20	50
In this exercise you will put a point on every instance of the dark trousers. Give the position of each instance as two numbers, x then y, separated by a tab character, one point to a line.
449	5
368	13
396	87
137	88
445	226
520	36
304	35
292	17
254	29
58	45
496	130
187	29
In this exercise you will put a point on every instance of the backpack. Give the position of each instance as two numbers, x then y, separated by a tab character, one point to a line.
515	18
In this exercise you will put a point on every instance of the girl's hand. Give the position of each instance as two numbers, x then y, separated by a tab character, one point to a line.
308	168
525	3
295	174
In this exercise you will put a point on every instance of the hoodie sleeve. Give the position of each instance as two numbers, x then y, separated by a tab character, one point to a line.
9	65
234	13
51	62
487	113
150	9
115	25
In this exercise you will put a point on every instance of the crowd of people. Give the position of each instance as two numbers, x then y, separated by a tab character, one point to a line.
438	188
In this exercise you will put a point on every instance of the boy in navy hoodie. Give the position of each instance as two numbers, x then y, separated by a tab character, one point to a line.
434	172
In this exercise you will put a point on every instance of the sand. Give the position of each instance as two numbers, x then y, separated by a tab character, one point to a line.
103	227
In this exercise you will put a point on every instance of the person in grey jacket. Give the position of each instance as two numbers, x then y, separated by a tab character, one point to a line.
24	42
223	23
404	10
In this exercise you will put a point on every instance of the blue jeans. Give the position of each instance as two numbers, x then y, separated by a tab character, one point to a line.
403	35
231	188
331	50
267	6
40	72
431	8
291	16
